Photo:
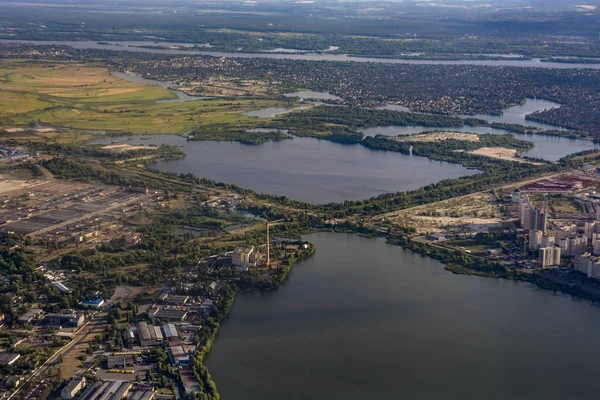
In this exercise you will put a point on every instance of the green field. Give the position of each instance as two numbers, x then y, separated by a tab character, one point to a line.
78	96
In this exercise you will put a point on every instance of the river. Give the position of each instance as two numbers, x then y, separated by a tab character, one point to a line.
516	114
306	169
135	46
365	320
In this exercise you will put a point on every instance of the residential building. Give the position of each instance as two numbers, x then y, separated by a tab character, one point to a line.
590	228
535	240
549	256
547	241
573	246
588	265
596	244
30	316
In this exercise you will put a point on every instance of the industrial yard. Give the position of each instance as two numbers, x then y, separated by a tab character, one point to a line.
67	213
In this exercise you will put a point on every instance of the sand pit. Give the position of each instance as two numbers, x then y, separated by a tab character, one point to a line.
501	153
119	148
438	136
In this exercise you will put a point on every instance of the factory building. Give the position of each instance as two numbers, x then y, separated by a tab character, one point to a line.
122	359
72	388
170	331
241	257
149	335
64	320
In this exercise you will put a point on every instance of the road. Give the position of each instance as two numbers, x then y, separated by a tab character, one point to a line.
94	322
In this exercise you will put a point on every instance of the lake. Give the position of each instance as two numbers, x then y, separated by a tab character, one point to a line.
306	169
135	46
365	320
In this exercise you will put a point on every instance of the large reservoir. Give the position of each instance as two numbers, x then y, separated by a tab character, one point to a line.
362	319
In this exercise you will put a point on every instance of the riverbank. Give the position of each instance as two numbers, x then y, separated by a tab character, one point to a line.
461	263
211	329
381	307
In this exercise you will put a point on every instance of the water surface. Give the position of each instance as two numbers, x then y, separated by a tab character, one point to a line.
303	168
516	114
133	46
365	320
311	94
551	148
267	112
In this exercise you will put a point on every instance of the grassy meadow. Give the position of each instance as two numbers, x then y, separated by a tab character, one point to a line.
77	96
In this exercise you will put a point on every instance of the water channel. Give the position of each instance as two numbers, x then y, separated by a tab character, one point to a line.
302	168
181	96
365	320
136	46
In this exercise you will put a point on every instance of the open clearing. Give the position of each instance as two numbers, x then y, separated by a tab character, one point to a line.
501	153
476	213
438	136
120	148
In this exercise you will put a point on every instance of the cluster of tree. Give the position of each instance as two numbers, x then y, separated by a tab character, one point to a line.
61	149
86	171
442	89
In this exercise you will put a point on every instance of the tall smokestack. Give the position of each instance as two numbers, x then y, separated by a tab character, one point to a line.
268	246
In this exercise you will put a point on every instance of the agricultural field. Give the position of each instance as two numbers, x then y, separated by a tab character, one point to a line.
86	97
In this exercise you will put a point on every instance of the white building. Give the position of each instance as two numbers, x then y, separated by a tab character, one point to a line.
547	241
596	244
535	240
549	256
573	246
588	265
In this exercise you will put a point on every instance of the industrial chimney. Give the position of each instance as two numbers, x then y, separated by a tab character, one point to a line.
268	246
